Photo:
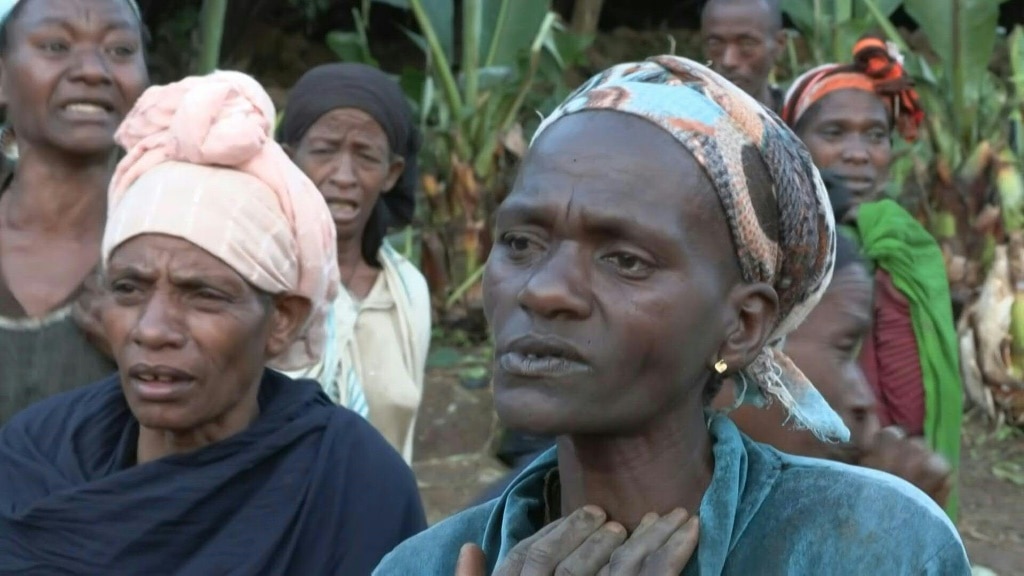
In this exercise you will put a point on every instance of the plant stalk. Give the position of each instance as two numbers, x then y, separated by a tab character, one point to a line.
211	30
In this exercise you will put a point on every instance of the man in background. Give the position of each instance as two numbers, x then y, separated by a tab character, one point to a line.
743	39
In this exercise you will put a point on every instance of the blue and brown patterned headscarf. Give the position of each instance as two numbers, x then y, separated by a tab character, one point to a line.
719	124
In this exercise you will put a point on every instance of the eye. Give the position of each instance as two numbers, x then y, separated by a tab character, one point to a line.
629	265
830	132
124	51
55	46
849	349
124	287
516	242
521	246
210	295
878	135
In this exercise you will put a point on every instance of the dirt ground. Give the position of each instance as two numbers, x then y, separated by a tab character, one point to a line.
456	433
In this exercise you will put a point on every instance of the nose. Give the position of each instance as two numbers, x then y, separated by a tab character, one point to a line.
730	59
343	174
91	67
860	405
855	150
558	285
159	325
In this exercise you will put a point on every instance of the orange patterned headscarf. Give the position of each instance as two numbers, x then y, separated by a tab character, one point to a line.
877	68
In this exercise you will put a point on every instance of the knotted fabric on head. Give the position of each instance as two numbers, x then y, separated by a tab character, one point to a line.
877	68
201	165
719	125
332	86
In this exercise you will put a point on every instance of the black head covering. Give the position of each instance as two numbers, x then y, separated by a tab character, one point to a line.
349	85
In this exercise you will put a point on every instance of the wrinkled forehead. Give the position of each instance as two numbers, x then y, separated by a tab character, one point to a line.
42	9
738	16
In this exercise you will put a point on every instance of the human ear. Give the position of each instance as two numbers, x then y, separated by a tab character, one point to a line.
394	172
289	314
753	308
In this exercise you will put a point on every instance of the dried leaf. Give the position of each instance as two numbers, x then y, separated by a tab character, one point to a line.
514	141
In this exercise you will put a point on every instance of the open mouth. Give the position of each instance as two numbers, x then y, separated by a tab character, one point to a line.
158	382
343	209
83	110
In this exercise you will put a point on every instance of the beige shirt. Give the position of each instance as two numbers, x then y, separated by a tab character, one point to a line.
377	351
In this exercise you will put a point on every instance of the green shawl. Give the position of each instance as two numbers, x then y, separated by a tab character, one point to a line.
893	240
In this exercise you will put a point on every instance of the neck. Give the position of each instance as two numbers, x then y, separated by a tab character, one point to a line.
156	443
765	96
666	466
350	254
57	195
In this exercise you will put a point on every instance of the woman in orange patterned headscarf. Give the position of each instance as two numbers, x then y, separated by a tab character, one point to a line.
845	114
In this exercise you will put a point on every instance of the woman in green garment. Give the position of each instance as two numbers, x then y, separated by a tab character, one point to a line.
845	114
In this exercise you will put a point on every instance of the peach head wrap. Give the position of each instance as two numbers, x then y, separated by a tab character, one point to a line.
201	165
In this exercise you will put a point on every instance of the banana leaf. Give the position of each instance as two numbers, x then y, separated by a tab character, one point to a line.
962	33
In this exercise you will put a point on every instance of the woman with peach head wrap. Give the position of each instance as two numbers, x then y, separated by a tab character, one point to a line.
218	260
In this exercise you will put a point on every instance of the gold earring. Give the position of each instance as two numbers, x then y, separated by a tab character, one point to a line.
721	366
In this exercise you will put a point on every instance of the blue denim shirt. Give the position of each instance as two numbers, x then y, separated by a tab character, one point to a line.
765	513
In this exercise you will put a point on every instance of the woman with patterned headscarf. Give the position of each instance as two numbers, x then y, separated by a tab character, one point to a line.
218	260
350	129
666	232
845	114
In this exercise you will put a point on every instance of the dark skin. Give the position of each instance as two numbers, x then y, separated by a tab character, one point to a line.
582	291
848	134
70	72
191	338
584	543
743	39
826	347
346	154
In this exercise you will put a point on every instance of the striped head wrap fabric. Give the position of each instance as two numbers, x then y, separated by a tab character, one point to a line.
877	68
719	125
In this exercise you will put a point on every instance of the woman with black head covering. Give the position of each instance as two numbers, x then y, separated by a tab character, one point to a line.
350	129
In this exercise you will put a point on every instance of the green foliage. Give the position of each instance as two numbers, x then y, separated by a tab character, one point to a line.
310	9
353	46
832	27
962	34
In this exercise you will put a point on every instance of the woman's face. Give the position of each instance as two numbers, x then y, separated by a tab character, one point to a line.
847	132
71	71
190	336
610	290
826	348
346	154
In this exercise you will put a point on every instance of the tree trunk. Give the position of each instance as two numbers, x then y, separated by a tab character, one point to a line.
585	16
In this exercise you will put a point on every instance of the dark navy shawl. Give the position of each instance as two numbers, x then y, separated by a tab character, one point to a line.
308	488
